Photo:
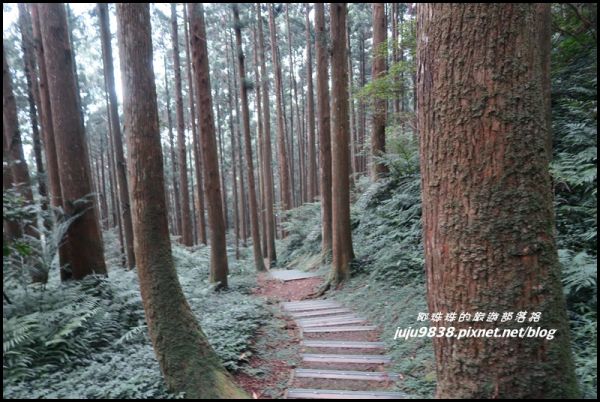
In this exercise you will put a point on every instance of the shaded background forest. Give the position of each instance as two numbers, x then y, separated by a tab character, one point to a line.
88	339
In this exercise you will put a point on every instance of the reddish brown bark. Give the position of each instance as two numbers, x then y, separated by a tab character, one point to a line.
380	105
200	219
266	144
212	182
312	182
12	136
85	240
186	220
258	258
324	126
33	97
284	169
186	359
340	149
487	201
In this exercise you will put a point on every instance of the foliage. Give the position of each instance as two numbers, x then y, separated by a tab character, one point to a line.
89	338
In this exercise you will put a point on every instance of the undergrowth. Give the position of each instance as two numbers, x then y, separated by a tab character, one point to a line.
88	339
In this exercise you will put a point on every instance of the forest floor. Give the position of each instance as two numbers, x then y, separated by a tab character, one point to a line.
277	344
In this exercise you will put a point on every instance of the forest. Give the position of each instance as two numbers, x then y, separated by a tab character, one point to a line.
299	200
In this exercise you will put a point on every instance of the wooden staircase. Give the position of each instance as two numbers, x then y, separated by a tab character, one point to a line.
345	362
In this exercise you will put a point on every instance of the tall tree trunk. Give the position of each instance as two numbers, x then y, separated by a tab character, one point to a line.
209	146
186	221
380	105
201	222
187	361
85	239
221	162
15	157
33	97
102	186
267	152
243	213
45	112
258	258
323	120
487	201
234	185
310	114
176	200
286	193
353	131
115	128
12	229
340	149
362	125
259	148
48	129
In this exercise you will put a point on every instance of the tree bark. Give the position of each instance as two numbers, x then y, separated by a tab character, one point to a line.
380	105
487	201
267	151
33	97
187	361
312	182
286	194
176	194
258	258
340	151
186	221
201	221
324	127
115	128
12	135
216	222
85	240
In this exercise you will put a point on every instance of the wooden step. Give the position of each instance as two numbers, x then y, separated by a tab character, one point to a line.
330	358
343	344
324	312
346	321
311	303
345	375
339	394
353	328
305	302
341	317
291	274
310	307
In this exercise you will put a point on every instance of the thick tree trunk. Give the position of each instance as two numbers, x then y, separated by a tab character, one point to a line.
186	221
487	201
121	168
216	222
33	97
312	182
201	221
187	361
323	120
85	239
380	105
340	149
12	135
12	229
45	113
48	128
286	191
266	145
258	258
